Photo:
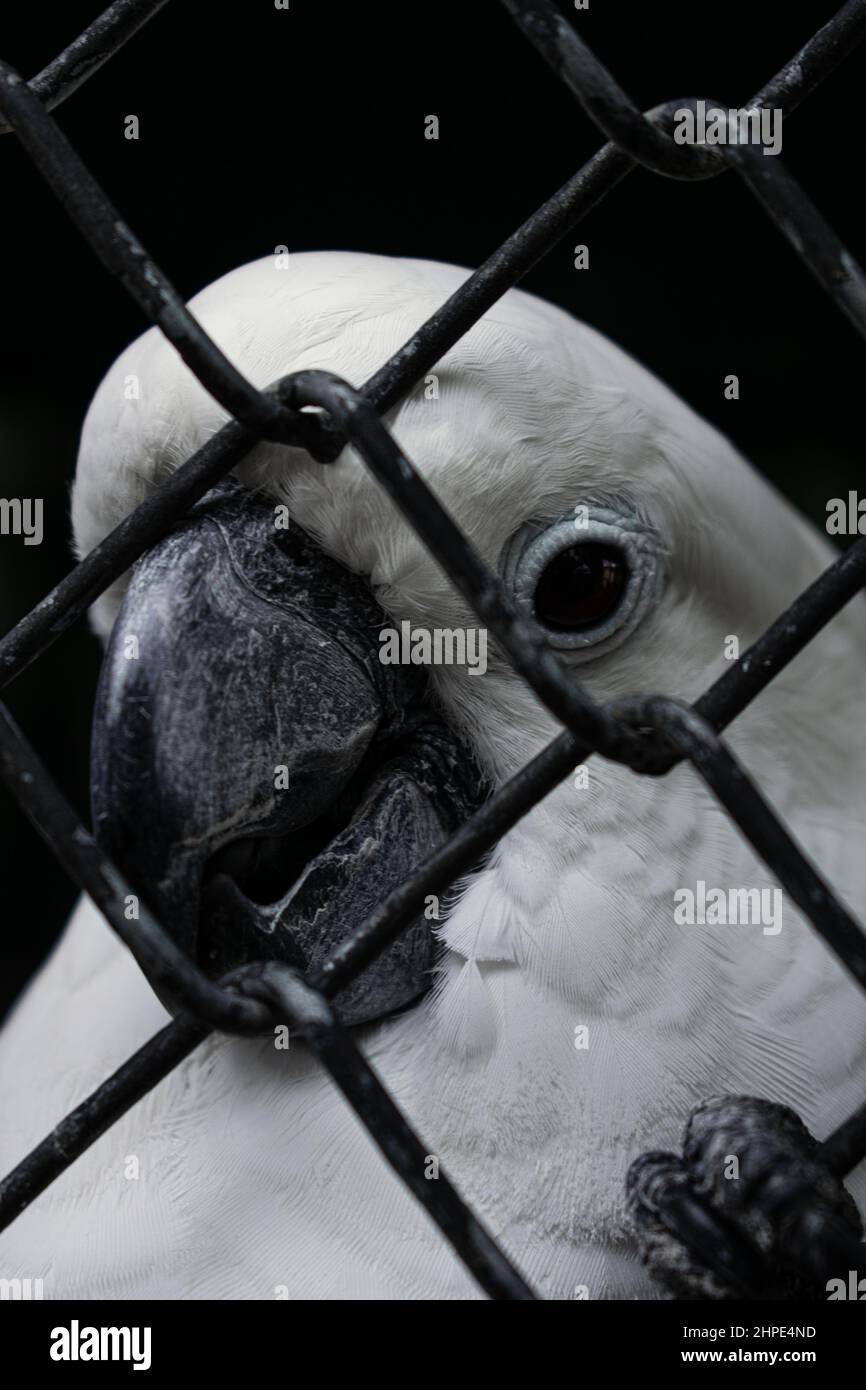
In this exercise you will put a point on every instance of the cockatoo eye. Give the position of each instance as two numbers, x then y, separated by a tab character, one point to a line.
588	578
580	587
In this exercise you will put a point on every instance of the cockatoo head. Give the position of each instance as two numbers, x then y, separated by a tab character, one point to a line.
245	652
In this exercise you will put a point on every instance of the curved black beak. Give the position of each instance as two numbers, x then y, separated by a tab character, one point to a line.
259	776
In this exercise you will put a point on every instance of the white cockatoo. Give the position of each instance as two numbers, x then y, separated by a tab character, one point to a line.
572	1021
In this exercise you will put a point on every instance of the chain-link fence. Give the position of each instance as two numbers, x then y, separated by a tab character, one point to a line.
650	735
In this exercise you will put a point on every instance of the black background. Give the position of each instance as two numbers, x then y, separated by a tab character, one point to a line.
260	127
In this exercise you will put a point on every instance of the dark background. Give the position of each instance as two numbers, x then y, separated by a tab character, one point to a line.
305	127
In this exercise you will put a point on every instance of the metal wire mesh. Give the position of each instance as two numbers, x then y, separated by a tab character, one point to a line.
650	734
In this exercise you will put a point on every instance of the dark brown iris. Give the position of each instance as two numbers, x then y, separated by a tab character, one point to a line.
581	587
